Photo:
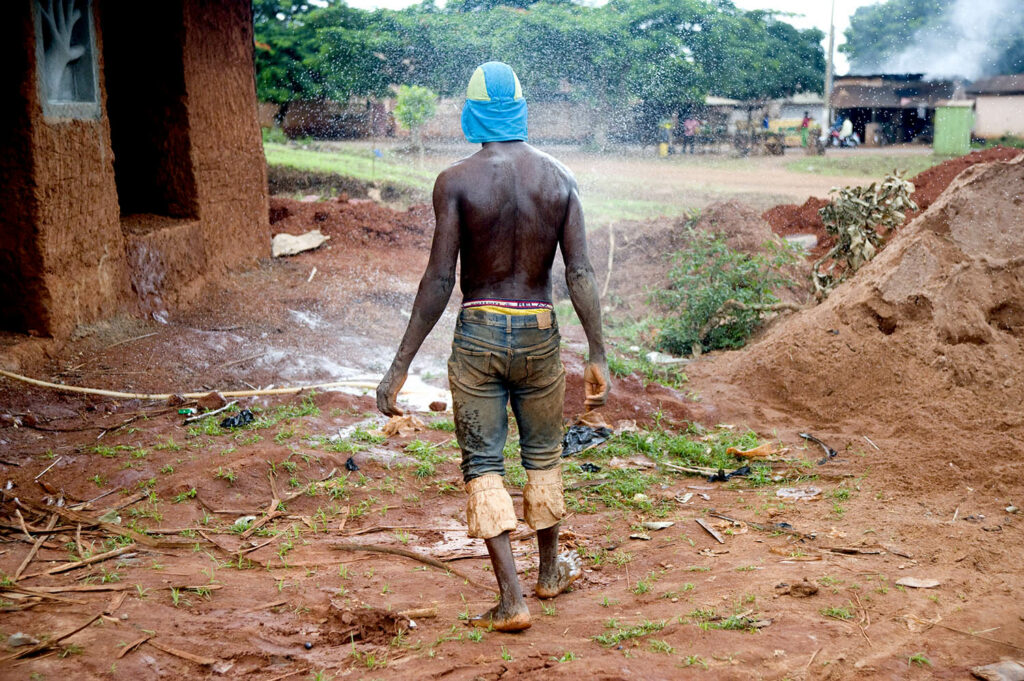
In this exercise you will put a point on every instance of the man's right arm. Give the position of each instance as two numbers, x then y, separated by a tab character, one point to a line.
579	277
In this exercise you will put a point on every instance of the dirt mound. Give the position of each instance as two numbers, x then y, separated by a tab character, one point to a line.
790	218
929	184
743	228
353	221
927	338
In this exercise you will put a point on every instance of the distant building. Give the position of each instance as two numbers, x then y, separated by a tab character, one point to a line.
999	106
892	107
130	155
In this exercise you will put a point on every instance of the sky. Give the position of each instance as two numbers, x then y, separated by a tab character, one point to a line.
812	13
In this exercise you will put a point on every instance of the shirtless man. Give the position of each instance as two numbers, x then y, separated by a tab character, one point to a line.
505	210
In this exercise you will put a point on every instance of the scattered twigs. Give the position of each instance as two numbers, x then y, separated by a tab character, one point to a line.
198	659
34	549
710	530
200	417
39	647
88	521
98	558
428	560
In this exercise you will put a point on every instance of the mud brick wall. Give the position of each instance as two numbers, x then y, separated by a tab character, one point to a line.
71	249
23	296
227	152
72	268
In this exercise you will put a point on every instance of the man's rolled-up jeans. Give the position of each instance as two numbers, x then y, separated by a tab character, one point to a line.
498	359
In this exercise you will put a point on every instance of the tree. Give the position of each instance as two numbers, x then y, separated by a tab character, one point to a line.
415	106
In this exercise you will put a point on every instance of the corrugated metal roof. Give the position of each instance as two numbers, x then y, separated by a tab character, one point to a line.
998	85
891	95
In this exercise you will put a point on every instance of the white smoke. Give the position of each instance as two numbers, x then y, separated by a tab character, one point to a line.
966	42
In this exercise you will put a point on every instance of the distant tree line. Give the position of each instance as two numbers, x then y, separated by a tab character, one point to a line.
660	54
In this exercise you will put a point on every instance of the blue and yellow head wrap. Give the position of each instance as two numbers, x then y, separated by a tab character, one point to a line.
495	110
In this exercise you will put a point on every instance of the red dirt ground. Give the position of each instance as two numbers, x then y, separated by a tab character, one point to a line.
910	370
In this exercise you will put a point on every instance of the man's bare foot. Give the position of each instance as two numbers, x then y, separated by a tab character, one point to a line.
500	618
567	570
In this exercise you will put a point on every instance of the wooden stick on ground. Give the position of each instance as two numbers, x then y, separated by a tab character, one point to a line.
710	530
132	646
428	560
198	659
34	549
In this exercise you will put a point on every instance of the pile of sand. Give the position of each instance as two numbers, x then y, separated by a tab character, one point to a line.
789	218
928	338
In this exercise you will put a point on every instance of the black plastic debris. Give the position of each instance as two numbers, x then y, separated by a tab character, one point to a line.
589	467
242	418
350	464
581	438
722	476
829	452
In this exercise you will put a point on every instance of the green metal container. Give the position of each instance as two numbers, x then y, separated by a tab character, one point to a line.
953	123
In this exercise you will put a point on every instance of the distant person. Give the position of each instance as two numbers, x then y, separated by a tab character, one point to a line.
764	122
690	127
664	138
503	213
846	129
805	126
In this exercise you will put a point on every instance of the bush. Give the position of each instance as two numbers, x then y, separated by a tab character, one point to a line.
718	297
274	134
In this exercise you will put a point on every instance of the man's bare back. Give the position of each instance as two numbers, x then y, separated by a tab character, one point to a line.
512	201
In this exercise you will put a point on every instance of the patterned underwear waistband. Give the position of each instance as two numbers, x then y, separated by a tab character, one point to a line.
499	306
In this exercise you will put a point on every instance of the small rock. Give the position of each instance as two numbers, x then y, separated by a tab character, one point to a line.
915	583
245	521
438	406
803	589
308	645
1007	670
659	525
1012	509
211	401
21	639
351	465
641	536
9	421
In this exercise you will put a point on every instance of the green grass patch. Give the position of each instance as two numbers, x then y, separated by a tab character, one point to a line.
357	163
619	634
867	165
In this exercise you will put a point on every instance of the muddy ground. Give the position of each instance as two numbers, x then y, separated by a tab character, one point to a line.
212	599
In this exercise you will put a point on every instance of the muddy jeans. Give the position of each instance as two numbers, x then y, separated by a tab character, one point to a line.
497	359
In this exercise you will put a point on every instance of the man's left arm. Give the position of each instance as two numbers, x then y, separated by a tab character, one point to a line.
432	297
